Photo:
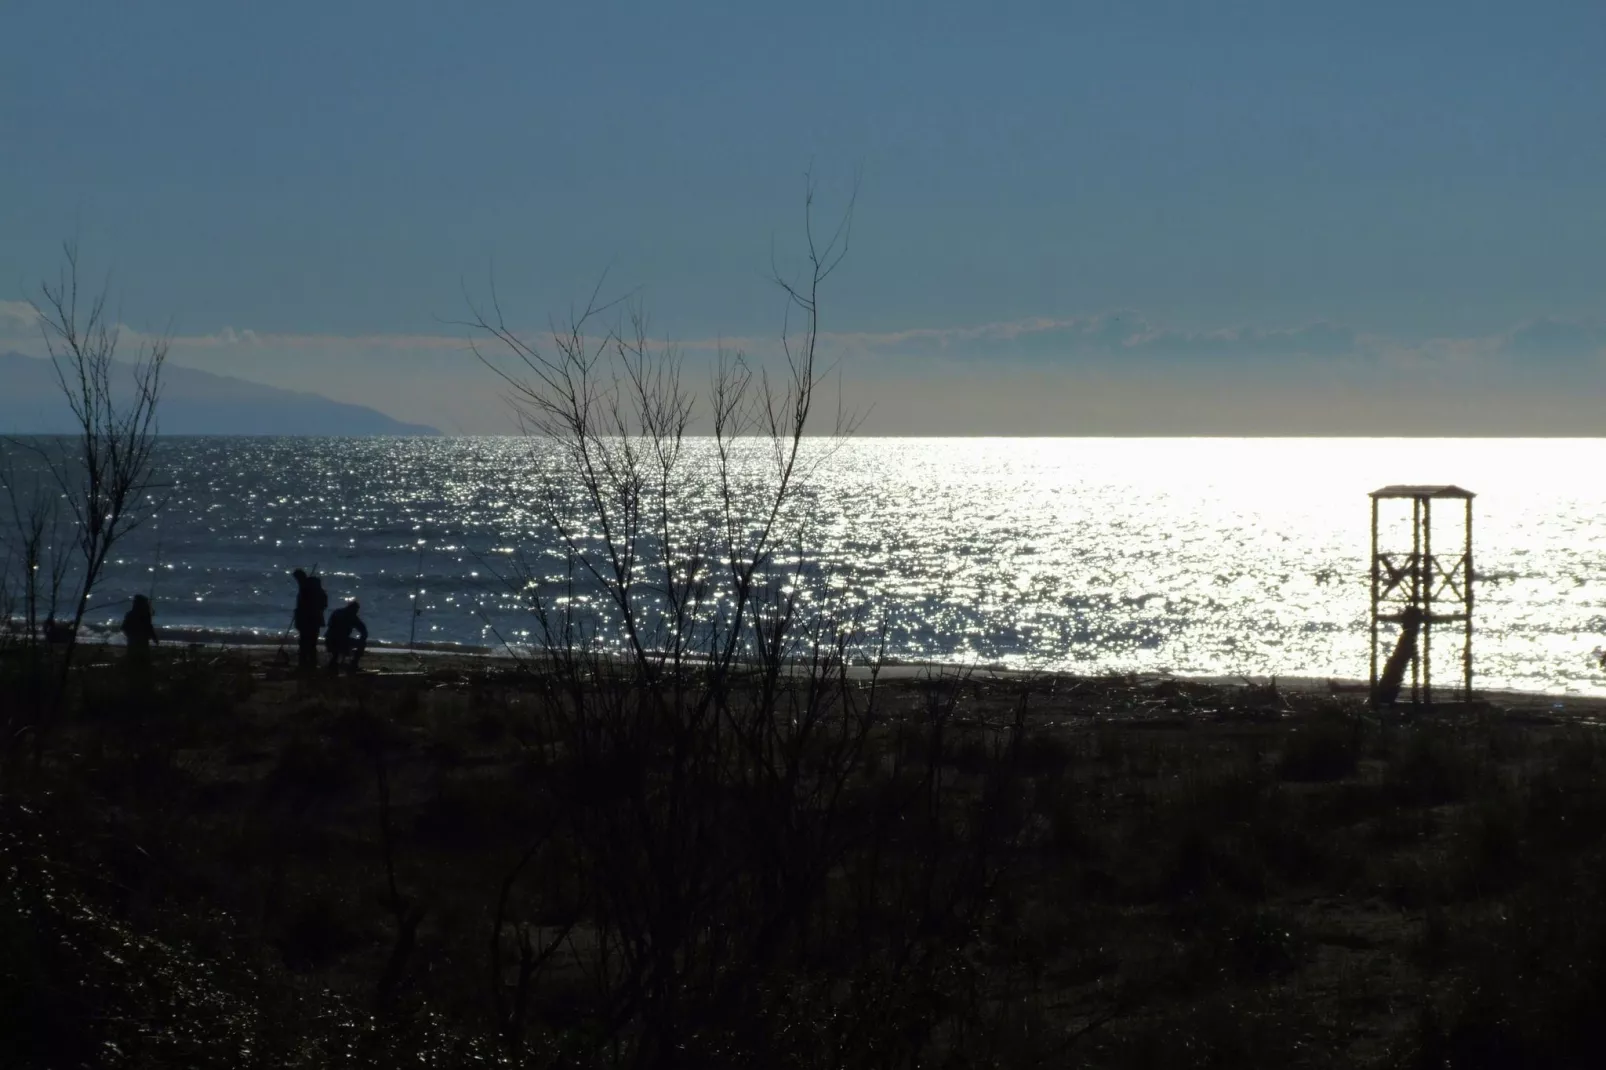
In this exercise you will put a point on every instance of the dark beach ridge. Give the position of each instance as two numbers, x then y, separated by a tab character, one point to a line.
390	658
1139	870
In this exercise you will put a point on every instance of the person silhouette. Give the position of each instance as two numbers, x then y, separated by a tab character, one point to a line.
311	601
140	631
139	628
338	640
1393	678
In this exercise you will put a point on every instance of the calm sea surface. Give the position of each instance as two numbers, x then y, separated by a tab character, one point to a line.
1199	556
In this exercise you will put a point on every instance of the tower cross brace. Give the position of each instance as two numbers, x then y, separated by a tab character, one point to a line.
1425	593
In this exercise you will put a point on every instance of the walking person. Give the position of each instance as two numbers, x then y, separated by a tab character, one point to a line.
311	601
342	622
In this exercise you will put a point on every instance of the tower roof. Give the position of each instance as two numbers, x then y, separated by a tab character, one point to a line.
1422	490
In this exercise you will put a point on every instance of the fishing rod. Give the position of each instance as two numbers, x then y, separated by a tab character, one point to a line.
150	594
156	569
418	609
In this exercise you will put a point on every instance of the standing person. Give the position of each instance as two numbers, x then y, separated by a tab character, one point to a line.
140	628
342	622
311	601
141	633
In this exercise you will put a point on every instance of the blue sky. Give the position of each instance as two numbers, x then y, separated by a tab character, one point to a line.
1060	193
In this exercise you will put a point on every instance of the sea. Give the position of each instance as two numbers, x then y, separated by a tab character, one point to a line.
1218	557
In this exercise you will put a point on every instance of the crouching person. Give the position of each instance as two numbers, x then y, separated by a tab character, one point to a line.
339	641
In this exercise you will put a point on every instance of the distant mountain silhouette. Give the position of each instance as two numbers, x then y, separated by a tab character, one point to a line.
193	403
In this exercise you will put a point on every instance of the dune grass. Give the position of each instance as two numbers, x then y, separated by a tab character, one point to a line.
223	865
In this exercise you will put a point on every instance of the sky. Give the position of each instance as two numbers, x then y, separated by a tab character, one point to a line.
1070	217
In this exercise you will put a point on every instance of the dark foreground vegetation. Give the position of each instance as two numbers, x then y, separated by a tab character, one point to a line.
217	864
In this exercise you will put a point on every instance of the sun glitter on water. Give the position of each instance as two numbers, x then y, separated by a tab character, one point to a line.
1199	556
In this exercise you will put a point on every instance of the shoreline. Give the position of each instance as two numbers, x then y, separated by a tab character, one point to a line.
1567	704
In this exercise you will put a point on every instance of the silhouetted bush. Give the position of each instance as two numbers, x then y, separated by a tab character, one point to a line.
1321	749
311	771
1433	767
317	931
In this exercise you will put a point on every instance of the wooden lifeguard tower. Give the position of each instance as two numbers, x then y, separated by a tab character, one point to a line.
1427	594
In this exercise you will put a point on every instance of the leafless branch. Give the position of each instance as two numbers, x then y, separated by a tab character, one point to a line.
108	477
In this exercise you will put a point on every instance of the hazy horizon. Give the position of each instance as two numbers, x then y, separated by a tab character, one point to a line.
1071	220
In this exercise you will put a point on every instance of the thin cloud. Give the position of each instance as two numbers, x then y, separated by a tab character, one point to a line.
1119	333
1120	339
1551	341
20	311
1120	336
245	336
1111	373
17	316
1114	340
1320	339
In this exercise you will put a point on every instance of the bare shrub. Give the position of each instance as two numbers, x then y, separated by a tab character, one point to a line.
740	855
102	477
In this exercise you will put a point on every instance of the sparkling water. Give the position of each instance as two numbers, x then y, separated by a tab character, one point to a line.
1197	556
